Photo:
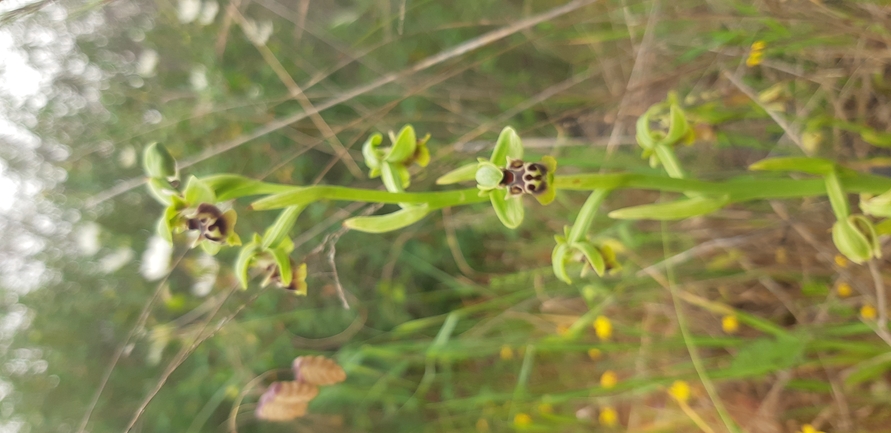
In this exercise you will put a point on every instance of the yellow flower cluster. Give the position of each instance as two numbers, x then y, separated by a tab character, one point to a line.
679	391
608	417
868	312
730	324
522	420
844	290
603	328
755	54
609	379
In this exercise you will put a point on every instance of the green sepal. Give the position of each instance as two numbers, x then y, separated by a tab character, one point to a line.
283	262
509	210
670	211
163	229
877	206
558	262
595	259
198	192
389	222
678	127
158	162
282	225
392	176
371	153
404	146
884	227
507	145
464	173
643	134
243	261
818	166
852	242
160	189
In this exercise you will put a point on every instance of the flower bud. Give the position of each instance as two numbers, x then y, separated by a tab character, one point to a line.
158	163
877	206
856	238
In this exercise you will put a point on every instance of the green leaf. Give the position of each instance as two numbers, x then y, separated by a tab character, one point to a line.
282	225
586	215
389	222
558	262
508	210
593	255
675	210
817	166
461	174
158	163
243	262
507	145
404	147
768	355
198	192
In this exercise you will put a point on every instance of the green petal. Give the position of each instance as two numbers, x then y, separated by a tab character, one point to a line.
678	126
369	151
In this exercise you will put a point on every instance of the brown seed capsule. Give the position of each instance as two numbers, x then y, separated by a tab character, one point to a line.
318	370
280	411
294	392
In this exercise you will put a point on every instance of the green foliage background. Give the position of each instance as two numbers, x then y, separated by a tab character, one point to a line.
424	344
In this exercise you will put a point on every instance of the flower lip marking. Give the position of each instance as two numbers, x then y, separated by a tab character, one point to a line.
210	222
524	177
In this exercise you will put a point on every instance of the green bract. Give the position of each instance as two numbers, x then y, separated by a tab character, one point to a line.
158	163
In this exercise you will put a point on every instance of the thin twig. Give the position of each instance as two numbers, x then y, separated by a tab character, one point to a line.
457	51
140	324
882	321
789	130
186	351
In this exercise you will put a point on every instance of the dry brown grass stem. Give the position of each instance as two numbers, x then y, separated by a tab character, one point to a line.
789	129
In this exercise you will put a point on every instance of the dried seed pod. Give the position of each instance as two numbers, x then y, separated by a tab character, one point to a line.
272	411
318	370
292	392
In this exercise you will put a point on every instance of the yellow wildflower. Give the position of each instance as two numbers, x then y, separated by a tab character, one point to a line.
595	354
608	417
609	379
755	54
844	290
482	426
522	420
730	324
603	327
679	391
506	353
545	408
841	261
868	312
807	428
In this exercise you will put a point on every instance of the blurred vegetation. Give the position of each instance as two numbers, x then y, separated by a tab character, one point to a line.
457	324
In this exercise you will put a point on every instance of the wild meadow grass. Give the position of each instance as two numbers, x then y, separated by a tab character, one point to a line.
748	319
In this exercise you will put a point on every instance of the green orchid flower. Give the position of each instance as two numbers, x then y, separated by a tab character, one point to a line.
391	163
195	211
